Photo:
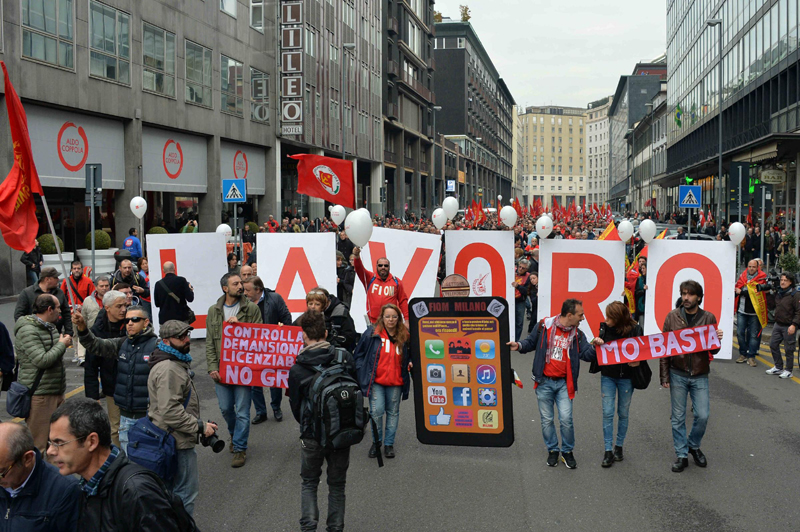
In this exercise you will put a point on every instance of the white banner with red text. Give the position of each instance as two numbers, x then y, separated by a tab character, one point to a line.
254	354
661	345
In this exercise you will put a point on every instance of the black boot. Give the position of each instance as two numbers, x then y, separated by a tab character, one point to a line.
680	464
618	454
373	451
608	459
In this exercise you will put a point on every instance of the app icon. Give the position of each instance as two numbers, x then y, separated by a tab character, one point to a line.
486	374
459	348
488	419
460	373
434	349
437	395
487	397
440	419
464	418
484	349
435	373
462	397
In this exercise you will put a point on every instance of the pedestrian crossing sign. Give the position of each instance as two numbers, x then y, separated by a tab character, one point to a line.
234	191
690	196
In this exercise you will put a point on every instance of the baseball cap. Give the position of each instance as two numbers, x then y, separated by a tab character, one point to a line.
174	328
49	271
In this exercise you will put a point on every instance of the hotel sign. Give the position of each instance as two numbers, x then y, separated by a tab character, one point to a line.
292	68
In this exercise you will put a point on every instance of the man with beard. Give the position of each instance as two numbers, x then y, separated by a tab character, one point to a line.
48	284
751	308
234	400
688	375
787	321
137	283
82	288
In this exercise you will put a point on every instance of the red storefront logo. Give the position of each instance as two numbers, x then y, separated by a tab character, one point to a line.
73	146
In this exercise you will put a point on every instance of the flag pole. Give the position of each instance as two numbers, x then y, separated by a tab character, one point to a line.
58	250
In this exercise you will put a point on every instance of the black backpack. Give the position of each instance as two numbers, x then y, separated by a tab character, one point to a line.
334	404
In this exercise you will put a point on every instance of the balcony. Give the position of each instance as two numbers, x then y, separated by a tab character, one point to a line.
429	131
393	68
417	86
410	163
390	157
431	64
423	167
393	25
391	111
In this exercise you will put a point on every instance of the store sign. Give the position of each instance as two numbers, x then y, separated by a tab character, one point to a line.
64	142
292	68
241	161
772	177
451	185
173	159
173	162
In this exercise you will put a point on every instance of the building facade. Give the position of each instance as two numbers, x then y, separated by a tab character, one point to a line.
648	148
597	151
554	161
477	110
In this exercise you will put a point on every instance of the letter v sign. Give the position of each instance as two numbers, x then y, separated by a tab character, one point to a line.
414	270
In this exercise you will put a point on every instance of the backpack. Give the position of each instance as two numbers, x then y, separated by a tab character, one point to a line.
335	405
374	277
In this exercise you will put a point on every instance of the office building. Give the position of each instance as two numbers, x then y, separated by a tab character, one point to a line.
648	148
597	151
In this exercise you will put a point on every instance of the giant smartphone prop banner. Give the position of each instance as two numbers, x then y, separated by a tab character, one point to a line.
462	371
294	263
200	258
712	264
590	270
486	260
414	258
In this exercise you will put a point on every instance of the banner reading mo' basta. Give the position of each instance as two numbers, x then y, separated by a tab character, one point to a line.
661	345
259	355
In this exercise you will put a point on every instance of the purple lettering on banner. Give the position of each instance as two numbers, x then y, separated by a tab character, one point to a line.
439	326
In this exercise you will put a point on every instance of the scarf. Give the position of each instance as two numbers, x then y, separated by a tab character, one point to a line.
168	349
91	486
572	332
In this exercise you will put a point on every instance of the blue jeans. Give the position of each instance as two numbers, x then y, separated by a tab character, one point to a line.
519	318
234	402
610	387
553	392
312	455
697	388
186	483
32	277
125	424
747	329
275	394
385	399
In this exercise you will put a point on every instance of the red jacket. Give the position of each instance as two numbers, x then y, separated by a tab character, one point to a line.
379	293
81	289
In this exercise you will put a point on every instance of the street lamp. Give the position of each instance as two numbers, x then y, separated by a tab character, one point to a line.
718	22
649	106
345	46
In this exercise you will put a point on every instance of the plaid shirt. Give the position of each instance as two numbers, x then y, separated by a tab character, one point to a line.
90	486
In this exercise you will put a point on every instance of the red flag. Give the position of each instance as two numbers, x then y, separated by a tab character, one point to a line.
750	215
518	207
17	207
702	217
326	178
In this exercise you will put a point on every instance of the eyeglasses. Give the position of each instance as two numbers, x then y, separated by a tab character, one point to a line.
62	444
387	317
182	336
7	470
135	319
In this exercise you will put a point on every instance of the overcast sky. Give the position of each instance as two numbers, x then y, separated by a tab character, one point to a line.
567	52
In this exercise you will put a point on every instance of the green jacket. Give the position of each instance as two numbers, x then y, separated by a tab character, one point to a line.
38	348
248	313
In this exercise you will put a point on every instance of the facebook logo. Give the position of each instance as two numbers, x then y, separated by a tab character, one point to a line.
462	397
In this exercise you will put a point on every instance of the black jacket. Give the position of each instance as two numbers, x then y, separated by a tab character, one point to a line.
168	308
610	334
321	354
6	350
131	498
25	306
345	247
134	280
340	326
49	502
787	308
273	309
105	368
32	260
344	288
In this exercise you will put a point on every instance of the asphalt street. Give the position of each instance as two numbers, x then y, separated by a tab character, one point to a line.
752	445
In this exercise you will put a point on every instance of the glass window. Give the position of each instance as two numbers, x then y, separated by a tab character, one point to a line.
109	43
198	74
257	15
228	6
259	95
311	43
47	31
158	60
231	85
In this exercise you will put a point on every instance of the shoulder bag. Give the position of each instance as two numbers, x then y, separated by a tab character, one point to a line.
190	317
18	397
641	375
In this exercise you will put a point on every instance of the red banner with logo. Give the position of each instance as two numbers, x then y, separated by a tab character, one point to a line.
17	207
661	345
253	354
326	178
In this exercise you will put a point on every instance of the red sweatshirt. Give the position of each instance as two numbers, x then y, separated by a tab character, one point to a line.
81	289
379	293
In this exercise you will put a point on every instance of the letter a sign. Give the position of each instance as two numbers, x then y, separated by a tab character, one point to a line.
690	196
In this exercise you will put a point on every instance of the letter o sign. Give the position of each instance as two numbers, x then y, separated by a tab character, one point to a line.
292	111
712	284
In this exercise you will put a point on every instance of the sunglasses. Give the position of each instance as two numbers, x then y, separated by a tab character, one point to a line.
135	319
182	336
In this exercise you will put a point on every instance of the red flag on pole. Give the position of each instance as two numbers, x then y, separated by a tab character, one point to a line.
17	206
326	178
518	207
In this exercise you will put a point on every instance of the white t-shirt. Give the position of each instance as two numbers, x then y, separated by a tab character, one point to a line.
231	311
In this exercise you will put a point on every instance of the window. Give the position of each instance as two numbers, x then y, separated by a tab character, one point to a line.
158	60
198	74
109	43
311	43
47	31
257	15
259	95
228	6
231	82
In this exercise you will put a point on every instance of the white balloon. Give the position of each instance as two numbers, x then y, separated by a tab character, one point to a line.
736	231
625	230
138	206
499	198
358	226
508	215
338	214
647	230
439	218
450	207
225	229
544	226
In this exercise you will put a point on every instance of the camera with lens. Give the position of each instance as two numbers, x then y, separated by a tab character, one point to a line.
435	373
772	284
212	441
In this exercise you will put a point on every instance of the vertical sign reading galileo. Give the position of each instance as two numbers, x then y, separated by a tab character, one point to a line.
463	367
291	68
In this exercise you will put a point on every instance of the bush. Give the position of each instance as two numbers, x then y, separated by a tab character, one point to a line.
101	240
157	230
789	263
47	245
253	227
791	239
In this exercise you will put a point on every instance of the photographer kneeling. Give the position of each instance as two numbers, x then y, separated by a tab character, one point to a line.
175	406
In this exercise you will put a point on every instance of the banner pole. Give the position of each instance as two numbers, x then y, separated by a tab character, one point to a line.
58	249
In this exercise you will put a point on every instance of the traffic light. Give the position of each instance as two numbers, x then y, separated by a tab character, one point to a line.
689	180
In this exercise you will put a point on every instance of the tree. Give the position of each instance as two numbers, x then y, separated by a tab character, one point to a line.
437	16
465	14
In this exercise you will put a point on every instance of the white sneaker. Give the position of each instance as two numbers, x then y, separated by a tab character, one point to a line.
774	371
785	374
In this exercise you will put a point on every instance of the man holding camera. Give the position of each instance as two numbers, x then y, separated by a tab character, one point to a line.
175	405
751	311
787	321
